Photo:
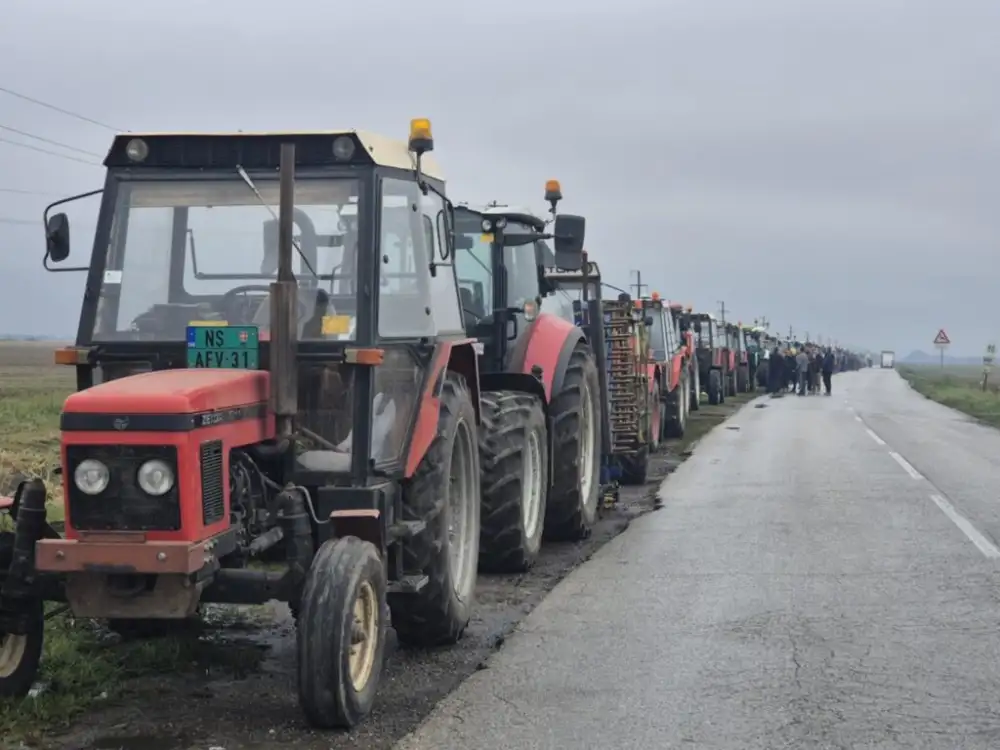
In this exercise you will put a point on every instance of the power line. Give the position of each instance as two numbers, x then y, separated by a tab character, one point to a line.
50	153
49	141
6	220
54	108
19	191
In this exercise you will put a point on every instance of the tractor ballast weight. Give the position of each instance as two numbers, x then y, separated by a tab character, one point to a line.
328	422
535	369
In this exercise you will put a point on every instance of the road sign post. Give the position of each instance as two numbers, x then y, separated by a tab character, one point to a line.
942	342
988	359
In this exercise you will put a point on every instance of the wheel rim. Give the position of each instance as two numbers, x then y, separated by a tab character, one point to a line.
364	636
531	490
12	648
460	520
587	445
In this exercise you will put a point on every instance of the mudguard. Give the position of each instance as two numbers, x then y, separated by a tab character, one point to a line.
547	346
457	355
676	369
652	375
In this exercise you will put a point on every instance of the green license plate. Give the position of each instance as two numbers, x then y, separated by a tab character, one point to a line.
224	347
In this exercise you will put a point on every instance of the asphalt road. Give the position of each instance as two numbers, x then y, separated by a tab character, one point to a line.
822	575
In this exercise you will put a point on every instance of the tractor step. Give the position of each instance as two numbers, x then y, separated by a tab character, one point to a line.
406	530
408	584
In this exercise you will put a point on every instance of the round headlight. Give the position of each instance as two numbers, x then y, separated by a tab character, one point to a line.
156	477
343	148
501	222
136	150
487	225
91	477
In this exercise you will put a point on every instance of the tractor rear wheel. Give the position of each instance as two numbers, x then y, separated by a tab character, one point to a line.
743	379
715	394
695	395
445	495
677	411
657	413
341	633
20	655
513	453
577	416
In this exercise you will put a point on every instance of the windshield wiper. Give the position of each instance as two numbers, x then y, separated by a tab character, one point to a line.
250	184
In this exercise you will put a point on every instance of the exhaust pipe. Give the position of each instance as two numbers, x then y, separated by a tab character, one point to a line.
284	306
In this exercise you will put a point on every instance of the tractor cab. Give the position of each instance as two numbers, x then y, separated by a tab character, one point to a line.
272	363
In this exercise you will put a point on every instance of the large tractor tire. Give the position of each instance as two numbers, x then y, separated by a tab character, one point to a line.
341	633
715	386
20	655
694	402
743	379
577	419
514	456
445	494
635	468
677	411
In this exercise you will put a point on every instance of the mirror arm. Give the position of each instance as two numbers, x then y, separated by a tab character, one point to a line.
45	224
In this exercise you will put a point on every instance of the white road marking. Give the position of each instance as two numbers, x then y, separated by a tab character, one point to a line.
858	419
874	437
983	544
907	467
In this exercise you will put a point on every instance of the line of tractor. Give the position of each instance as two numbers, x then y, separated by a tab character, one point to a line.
393	394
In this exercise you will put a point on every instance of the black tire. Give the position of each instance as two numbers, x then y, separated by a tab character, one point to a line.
569	515
743	379
695	400
676	421
512	423
657	415
635	468
715	394
20	656
439	613
343	572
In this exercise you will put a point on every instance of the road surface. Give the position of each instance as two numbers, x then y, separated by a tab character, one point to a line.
822	576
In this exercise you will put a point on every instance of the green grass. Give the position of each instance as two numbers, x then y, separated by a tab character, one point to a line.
83	665
958	386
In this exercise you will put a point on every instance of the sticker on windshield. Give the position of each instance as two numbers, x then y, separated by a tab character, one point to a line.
112	277
336	325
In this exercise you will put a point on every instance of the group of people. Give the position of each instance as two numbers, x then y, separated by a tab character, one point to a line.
800	368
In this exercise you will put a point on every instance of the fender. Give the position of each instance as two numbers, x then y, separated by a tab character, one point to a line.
676	366
549	343
513	381
653	376
459	356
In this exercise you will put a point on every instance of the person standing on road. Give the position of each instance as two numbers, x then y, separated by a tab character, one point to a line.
802	365
775	372
829	360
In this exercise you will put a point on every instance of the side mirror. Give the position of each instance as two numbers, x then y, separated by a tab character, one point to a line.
464	241
57	238
569	233
649	322
697	326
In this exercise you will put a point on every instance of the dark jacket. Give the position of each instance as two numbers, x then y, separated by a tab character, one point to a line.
829	361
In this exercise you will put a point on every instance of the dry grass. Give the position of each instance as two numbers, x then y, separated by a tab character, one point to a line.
958	386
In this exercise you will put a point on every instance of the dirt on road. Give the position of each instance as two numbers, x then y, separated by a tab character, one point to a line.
248	700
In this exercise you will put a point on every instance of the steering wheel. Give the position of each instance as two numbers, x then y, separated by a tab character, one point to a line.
227	298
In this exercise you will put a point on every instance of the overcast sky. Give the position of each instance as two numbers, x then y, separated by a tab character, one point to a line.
834	166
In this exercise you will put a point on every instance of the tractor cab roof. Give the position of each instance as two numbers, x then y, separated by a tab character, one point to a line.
511	213
186	150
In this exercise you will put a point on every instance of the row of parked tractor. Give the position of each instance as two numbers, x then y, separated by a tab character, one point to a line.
453	388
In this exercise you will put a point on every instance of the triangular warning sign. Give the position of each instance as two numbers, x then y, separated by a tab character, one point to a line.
941	339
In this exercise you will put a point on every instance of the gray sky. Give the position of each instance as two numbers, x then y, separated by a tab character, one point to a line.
834	166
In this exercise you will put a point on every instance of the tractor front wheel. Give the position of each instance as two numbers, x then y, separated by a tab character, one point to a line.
341	633
657	412
445	495
715	388
513	453
20	655
695	396
677	412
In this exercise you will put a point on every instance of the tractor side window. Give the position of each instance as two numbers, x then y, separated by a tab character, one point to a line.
521	263
404	293
475	279
444	291
668	328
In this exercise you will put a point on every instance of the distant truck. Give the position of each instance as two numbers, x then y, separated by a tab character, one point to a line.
888	359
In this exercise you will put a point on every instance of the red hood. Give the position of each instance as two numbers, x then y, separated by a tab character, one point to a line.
173	392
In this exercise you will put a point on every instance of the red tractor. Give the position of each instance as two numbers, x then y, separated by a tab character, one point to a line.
712	352
539	377
321	410
669	368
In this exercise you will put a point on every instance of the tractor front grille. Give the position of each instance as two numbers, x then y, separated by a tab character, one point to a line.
213	496
123	506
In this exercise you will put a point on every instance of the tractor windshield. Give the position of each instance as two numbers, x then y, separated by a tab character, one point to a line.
181	251
658	335
475	269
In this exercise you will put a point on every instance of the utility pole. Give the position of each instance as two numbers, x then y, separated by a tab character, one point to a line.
790	332
722	311
638	285
764	322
